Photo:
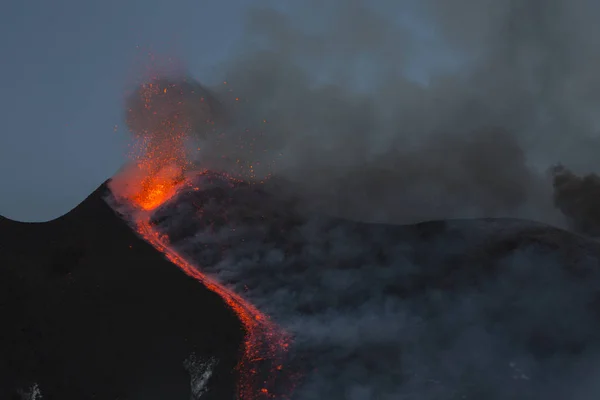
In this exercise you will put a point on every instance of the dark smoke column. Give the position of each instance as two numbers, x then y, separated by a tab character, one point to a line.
578	198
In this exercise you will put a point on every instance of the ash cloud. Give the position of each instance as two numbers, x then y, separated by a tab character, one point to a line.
326	97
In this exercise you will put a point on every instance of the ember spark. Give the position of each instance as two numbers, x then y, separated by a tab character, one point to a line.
265	342
161	114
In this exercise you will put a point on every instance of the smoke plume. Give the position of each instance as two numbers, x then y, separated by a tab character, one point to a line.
408	111
453	310
401	112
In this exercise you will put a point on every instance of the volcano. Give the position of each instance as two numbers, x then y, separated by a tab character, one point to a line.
497	308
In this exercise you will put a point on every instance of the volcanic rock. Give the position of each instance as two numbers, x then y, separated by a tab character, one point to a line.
90	311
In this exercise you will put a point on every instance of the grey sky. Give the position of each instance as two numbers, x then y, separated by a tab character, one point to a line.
65	65
522	87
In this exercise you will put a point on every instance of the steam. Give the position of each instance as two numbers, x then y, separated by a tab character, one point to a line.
328	97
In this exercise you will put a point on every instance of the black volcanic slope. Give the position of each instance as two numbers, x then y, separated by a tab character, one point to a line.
480	309
90	311
457	309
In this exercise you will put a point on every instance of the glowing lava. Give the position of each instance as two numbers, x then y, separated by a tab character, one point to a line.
264	340
158	188
160	118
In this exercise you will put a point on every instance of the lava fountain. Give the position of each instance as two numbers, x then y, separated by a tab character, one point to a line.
161	114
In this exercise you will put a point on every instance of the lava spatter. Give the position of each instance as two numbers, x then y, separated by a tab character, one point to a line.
161	115
264	343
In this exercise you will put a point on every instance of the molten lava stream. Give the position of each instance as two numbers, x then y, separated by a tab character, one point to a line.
161	115
264	340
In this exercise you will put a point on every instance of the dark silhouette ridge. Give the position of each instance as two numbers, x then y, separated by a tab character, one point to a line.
89	310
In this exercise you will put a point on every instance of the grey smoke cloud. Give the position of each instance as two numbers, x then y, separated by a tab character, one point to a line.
456	309
325	99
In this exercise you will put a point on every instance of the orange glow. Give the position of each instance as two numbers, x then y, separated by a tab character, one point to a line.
154	194
264	340
157	188
161	156
161	162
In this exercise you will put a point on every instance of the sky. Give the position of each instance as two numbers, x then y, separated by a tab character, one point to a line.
464	105
66	66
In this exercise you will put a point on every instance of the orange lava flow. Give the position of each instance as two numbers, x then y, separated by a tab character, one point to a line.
157	189
264	340
265	344
161	115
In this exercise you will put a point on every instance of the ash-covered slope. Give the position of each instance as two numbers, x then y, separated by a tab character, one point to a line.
495	309
90	311
465	309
